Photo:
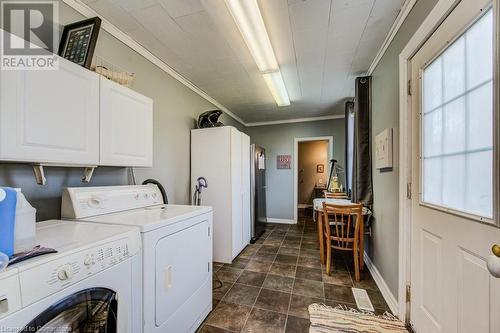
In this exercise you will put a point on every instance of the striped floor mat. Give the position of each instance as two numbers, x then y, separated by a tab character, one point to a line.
325	319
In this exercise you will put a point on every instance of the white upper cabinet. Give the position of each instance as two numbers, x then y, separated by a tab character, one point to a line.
50	116
73	116
126	126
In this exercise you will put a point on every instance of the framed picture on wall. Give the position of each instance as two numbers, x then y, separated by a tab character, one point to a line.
284	162
320	168
78	41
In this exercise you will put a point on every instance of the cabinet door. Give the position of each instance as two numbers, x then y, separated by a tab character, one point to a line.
236	191
211	158
50	116
245	186
126	126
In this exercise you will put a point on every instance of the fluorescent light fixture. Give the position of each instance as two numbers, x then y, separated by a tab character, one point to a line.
276	84
246	14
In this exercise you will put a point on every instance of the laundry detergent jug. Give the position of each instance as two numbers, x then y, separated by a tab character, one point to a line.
25	225
8	203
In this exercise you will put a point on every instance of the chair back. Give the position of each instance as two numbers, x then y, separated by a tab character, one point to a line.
335	195
341	225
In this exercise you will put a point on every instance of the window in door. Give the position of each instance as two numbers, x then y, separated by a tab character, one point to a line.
457	123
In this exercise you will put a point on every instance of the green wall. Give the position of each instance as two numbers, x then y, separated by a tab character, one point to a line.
279	140
383	246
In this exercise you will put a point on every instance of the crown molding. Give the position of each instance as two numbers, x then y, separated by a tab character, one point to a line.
295	120
403	13
113	30
134	45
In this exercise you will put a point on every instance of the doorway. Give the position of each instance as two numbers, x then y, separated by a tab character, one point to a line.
449	219
311	170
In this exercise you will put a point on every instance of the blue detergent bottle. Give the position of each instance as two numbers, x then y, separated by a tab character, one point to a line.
8	202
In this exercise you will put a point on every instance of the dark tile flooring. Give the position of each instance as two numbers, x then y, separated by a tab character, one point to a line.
270	285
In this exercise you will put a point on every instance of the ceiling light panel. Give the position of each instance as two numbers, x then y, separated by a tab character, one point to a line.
248	18
276	84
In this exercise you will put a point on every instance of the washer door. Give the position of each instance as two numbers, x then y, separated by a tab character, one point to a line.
92	310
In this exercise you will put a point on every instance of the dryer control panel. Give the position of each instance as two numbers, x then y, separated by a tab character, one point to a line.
40	281
84	202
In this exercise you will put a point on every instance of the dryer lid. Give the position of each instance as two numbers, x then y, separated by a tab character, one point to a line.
152	218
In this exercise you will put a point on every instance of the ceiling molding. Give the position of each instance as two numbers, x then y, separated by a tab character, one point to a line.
403	13
134	45
296	120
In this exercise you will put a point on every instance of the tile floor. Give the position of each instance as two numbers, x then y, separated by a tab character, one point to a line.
270	285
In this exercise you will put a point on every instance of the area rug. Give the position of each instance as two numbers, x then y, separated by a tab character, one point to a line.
340	319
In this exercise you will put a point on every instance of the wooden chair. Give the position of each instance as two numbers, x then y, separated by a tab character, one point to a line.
341	231
335	195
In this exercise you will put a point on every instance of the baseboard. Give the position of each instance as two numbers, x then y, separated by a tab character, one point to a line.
302	206
282	221
384	289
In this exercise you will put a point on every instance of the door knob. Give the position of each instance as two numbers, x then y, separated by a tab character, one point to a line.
494	261
496	250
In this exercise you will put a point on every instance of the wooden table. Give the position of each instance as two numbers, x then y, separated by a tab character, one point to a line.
318	191
318	215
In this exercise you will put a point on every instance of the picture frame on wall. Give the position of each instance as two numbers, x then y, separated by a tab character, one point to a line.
320	168
284	162
79	40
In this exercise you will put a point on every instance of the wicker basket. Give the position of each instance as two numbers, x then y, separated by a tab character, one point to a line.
112	72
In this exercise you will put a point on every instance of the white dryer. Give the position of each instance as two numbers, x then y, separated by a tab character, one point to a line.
177	250
91	284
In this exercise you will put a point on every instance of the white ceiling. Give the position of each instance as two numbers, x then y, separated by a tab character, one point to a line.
321	46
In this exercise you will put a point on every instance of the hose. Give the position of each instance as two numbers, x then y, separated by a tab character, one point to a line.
160	187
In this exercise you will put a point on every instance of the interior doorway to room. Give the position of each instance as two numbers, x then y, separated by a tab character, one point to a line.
312	167
312	163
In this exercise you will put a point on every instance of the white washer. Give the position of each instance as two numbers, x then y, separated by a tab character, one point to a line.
92	282
177	250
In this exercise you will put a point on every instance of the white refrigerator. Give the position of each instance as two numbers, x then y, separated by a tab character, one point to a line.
222	156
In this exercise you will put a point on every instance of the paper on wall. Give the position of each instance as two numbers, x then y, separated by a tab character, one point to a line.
262	162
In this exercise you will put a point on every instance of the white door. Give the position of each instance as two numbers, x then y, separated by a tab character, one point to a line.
245	184
50	116
236	192
453	226
126	126
211	158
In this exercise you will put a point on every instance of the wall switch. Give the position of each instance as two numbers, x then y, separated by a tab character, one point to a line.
383	149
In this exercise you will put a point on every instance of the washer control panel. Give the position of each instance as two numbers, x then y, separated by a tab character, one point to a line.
41	281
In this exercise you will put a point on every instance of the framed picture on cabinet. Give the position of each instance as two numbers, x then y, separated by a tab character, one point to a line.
78	41
320	168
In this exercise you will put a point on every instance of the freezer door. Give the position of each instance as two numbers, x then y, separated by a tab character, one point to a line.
259	213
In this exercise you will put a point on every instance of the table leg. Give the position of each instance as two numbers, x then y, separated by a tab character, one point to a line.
319	221
362	244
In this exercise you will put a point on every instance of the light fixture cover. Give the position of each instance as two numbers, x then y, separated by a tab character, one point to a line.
276	84
246	14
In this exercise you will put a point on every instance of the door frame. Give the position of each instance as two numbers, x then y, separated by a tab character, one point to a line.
428	26
296	165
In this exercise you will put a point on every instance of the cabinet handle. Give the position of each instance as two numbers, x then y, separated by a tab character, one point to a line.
4	305
168	277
